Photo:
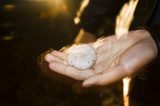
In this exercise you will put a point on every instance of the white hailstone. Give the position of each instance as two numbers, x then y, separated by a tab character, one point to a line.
81	56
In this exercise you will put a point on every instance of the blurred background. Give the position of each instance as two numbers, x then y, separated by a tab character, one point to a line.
27	29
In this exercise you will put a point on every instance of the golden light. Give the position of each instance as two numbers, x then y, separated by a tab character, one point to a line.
7	37
9	7
51	2
123	22
125	17
82	7
55	2
126	84
76	20
55	7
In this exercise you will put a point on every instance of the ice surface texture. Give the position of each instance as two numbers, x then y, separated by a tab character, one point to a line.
81	56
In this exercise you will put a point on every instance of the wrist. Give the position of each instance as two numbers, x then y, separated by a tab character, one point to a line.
150	34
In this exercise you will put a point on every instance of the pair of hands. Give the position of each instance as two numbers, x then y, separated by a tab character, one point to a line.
116	59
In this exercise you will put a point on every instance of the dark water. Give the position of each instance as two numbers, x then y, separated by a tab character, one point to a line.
31	30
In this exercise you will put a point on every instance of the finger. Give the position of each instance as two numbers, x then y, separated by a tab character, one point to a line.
110	76
59	54
70	71
51	58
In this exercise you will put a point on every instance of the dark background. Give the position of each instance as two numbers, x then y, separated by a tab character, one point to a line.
27	29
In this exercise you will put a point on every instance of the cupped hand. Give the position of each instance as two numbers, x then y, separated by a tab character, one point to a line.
116	59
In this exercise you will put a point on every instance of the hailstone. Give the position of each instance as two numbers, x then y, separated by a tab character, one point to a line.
81	56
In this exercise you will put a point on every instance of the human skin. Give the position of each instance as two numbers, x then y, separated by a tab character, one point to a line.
116	59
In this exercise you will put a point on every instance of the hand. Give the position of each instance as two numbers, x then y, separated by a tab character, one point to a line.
82	37
116	59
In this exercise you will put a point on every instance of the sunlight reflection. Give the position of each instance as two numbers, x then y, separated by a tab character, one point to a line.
55	7
123	22
82	7
9	7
